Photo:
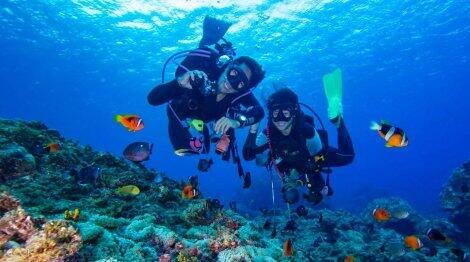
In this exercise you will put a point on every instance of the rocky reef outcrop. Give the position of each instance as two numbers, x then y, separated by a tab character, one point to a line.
63	220
455	198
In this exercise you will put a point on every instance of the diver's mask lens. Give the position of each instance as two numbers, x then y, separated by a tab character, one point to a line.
237	78
282	114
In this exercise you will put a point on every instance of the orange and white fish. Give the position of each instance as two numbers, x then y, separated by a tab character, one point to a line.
188	192
288	248
52	147
381	214
394	136
413	242
131	122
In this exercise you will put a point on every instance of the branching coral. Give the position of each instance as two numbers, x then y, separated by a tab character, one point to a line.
16	223
56	241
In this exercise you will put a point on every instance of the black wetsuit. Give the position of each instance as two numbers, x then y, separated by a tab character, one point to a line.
293	151
191	104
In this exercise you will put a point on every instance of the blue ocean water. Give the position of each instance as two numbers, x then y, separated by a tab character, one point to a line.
75	64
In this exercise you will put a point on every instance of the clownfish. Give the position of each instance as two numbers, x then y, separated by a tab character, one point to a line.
188	192
288	248
381	214
53	147
413	242
131	122
394	136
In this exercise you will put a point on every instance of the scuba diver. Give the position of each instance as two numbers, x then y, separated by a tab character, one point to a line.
210	85
295	149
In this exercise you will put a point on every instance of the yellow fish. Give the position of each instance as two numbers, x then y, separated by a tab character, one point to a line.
129	190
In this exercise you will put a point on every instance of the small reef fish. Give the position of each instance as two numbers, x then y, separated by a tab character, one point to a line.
39	149
267	224
381	214
72	215
413	242
86	175
131	122
290	225
436	235
188	192
204	164
349	258
394	136
129	190
53	147
461	255
301	211
288	248
402	214
138	151
274	232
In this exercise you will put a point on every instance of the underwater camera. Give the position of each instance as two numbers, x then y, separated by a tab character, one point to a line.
204	86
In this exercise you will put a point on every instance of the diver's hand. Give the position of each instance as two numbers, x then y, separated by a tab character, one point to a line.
254	128
185	80
224	124
337	121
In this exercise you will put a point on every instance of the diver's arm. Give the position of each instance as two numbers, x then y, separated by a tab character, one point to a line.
255	112
249	146
256	146
165	92
262	152
344	154
250	143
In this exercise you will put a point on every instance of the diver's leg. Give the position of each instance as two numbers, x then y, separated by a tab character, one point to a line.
345	145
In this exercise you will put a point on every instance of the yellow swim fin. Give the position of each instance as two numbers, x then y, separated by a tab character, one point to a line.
333	86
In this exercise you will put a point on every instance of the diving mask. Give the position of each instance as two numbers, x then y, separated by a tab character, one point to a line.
237	78
282	113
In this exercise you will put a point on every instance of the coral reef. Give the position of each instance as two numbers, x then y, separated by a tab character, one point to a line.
455	198
159	225
15	161
56	241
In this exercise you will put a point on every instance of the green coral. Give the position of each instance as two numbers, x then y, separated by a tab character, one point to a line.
108	222
89	231
200	232
141	228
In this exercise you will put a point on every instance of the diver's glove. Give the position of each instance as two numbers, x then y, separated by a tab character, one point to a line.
314	197
317	196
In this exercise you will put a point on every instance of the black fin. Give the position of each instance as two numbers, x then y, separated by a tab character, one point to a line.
213	31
